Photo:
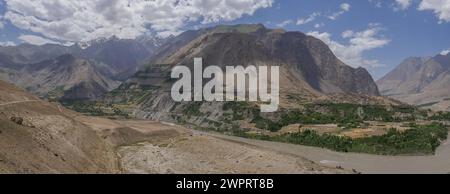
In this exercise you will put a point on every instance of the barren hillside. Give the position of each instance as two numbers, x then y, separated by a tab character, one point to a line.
41	137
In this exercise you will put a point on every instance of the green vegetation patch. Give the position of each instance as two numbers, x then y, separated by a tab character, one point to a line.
441	116
239	110
418	140
95	108
193	109
345	115
55	94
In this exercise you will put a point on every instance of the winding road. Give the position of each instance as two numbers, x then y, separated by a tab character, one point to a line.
17	102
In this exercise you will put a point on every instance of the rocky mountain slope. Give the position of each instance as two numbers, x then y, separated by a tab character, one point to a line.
302	58
17	56
75	78
64	77
420	81
309	72
40	137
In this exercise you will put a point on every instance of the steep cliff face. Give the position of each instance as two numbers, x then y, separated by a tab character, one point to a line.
420	81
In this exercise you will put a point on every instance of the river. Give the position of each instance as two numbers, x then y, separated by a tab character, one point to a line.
364	163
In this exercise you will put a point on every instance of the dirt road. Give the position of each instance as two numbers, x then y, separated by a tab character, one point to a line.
17	102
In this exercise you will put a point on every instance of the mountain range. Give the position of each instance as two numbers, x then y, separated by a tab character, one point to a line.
88	70
80	71
119	79
420	81
309	72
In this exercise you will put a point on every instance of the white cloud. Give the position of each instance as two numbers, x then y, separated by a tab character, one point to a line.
445	52
36	40
308	19
83	20
319	25
284	23
345	7
378	5
441	8
357	44
347	34
402	4
7	43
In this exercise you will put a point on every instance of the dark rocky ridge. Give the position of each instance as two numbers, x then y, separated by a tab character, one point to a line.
310	59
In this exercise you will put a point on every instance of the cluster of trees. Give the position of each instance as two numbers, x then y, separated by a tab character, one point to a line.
441	116
418	140
193	109
345	115
95	108
86	107
130	95
266	124
239	110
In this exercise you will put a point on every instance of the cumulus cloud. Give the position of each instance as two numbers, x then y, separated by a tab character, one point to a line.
284	23
319	25
308	19
36	40
83	20
441	8
344	7
347	34
357	43
445	52
402	4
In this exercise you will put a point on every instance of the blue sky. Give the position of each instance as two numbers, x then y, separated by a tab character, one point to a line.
375	34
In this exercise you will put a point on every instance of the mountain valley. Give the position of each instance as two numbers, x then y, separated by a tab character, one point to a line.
105	106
